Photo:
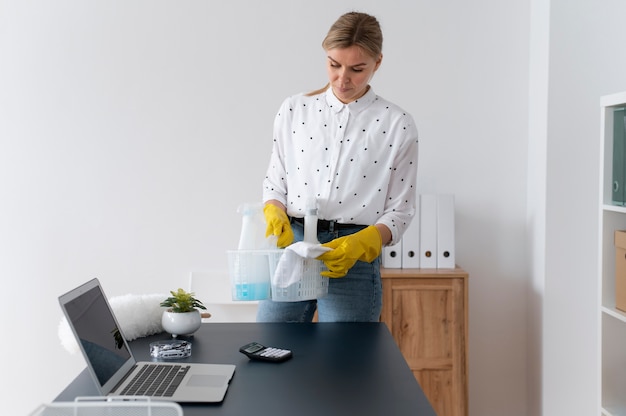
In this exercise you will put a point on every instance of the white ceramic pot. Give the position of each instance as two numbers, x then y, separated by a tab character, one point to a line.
185	323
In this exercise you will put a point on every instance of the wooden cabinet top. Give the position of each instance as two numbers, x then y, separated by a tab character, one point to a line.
430	273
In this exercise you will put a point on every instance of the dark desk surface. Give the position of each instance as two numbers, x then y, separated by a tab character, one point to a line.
336	369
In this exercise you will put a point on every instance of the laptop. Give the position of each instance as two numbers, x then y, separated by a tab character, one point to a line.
113	367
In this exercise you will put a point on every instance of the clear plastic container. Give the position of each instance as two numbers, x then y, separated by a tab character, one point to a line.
170	349
110	406
249	274
310	284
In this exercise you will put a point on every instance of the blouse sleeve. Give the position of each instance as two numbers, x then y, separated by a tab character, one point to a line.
401	196
275	184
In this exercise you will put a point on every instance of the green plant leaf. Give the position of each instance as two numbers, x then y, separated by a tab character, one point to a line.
182	301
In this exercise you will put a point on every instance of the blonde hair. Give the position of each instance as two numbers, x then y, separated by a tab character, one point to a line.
354	29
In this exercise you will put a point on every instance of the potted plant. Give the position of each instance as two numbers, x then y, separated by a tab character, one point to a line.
182	316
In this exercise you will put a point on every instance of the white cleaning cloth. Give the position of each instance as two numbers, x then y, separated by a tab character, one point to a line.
290	267
308	250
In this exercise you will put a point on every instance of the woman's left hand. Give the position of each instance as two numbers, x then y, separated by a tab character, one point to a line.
364	245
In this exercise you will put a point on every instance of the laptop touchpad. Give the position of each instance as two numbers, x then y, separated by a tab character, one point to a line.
206	380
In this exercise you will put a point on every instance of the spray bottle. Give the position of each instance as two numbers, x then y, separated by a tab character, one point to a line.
252	227
310	221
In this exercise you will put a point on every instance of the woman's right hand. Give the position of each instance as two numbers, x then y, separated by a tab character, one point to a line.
278	224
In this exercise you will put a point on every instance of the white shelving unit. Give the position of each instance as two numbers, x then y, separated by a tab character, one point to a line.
612	365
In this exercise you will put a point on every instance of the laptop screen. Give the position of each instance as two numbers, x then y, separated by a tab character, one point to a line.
101	340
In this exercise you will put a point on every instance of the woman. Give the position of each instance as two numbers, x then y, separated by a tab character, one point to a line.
356	154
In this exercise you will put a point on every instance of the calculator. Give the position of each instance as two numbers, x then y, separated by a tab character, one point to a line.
256	351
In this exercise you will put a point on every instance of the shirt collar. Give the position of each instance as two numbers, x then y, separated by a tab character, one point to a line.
355	106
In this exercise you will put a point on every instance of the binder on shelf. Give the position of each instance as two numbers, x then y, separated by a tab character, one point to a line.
620	269
392	256
619	157
411	242
445	232
428	231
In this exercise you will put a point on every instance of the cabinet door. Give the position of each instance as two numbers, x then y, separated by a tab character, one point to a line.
427	320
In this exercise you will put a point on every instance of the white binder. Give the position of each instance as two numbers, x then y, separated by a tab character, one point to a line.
445	232
411	242
392	256
428	231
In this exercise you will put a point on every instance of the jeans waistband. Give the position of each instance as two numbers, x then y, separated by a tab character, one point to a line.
329	225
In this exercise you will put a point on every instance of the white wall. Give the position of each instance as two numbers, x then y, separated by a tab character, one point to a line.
131	130
586	62
536	196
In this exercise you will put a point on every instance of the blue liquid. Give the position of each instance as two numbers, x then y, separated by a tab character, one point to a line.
251	291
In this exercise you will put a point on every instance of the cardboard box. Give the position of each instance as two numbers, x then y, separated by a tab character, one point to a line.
620	270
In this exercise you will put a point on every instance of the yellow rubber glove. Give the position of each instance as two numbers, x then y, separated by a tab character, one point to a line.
364	245
278	224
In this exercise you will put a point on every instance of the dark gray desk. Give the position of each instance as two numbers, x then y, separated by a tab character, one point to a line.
336	369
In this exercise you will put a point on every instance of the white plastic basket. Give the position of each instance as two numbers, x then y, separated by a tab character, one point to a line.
309	285
110	406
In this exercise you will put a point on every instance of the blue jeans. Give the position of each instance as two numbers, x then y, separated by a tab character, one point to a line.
356	297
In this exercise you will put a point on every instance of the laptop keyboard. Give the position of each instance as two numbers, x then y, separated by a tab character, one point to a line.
156	380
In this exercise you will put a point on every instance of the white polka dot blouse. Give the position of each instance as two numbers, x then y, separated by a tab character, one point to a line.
359	160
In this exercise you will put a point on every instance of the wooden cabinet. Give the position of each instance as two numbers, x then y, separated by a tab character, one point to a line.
426	312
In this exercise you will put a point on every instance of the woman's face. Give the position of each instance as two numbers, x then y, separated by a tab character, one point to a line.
350	71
